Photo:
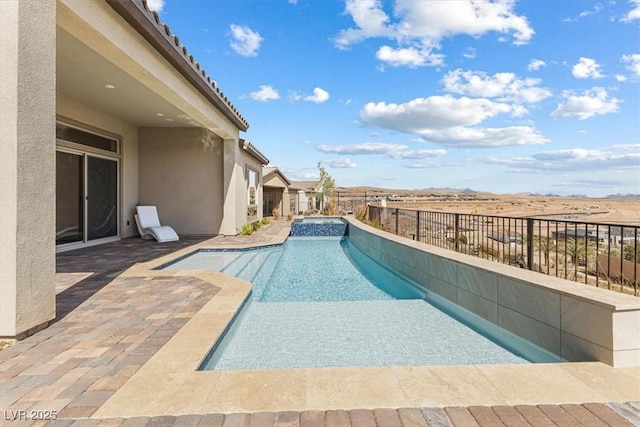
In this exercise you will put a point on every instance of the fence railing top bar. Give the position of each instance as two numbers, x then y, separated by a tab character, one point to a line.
570	223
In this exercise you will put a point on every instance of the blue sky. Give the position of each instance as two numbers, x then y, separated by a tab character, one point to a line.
502	96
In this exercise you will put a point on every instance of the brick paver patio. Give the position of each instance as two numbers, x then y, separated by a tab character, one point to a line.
108	326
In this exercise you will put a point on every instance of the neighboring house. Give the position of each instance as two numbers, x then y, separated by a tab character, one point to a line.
104	109
276	192
308	200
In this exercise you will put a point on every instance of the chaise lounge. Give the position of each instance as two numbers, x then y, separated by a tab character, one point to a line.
149	225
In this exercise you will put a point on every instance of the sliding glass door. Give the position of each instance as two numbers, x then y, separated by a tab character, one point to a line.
102	198
86	198
69	197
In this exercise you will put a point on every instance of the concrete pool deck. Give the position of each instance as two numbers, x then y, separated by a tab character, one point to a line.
128	338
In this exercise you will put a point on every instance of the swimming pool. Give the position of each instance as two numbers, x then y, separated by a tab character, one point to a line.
320	302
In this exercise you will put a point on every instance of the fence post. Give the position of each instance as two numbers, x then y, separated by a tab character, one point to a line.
397	220
456	227
530	243
418	226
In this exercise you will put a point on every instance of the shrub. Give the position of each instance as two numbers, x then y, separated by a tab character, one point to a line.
247	229
266	221
257	225
276	213
289	216
330	208
360	212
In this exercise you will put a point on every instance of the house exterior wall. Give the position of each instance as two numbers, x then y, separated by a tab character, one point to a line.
84	115
181	172
247	162
276	186
27	166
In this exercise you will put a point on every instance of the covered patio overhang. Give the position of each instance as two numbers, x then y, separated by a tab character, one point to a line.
135	72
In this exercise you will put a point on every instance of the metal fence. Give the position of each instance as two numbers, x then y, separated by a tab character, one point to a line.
602	255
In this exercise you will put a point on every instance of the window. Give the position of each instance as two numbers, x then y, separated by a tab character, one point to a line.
253	187
71	134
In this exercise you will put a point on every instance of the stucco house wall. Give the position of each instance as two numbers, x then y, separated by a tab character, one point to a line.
27	166
181	174
75	113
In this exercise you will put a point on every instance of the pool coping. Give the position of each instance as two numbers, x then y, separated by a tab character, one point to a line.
169	382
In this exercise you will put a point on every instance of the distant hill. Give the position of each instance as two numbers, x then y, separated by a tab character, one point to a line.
623	196
448	190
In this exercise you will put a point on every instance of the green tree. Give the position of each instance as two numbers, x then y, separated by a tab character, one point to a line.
326	185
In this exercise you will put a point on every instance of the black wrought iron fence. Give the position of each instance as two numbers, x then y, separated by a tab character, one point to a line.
603	255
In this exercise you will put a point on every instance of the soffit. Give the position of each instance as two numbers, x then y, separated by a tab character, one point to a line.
82	74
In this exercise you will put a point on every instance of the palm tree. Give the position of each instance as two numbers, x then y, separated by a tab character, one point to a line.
578	250
544	245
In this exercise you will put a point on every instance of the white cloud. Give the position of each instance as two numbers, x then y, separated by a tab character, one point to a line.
446	120
362	148
587	68
469	53
246	42
504	86
634	13
370	20
592	102
576	159
465	137
419	26
265	93
293	2
156	5
417	154
410	57
596	9
633	62
536	64
393	151
620	78
345	163
435	112
319	96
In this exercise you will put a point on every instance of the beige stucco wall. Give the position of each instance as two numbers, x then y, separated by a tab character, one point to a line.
181	173
128	134
245	162
27	165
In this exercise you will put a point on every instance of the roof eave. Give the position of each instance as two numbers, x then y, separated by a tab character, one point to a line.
147	24
250	149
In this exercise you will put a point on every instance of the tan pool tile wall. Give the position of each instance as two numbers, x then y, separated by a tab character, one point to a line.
575	321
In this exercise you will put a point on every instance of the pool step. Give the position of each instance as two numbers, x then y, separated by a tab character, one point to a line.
238	265
252	265
264	273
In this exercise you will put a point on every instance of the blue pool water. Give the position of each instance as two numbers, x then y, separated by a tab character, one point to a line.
321	302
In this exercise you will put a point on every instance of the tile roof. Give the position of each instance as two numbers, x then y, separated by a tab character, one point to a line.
138	13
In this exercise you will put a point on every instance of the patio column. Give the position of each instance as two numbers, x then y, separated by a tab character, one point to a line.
27	165
232	178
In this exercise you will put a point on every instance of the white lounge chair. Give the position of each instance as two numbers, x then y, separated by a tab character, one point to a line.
149	225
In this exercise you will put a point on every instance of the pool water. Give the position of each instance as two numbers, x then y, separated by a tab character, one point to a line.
320	302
